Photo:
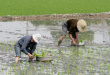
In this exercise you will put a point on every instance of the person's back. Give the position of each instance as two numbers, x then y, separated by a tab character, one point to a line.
27	45
24	39
73	26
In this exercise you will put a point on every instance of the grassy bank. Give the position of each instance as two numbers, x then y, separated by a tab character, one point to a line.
41	7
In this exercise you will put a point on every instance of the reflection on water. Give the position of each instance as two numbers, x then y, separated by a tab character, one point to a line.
98	30
67	60
101	38
101	29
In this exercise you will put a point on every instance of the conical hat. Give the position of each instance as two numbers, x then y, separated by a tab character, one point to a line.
81	25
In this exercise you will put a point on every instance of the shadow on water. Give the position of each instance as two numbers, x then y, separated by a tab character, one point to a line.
91	59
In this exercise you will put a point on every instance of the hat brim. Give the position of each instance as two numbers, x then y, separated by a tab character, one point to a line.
81	29
35	39
79	23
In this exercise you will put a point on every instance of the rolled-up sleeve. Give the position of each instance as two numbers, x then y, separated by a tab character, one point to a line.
24	45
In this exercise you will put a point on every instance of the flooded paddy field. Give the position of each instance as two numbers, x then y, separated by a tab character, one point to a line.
91	59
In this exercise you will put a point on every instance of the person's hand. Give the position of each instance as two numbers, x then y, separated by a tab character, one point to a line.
30	56
73	42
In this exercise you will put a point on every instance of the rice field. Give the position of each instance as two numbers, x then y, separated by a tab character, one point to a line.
91	59
42	7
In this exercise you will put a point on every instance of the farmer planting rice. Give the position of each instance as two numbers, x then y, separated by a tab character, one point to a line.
73	26
27	45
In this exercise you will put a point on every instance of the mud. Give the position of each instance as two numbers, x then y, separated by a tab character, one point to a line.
55	16
91	59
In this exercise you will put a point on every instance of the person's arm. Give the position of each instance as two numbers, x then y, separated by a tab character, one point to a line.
61	39
32	55
70	35
33	49
77	37
23	48
24	45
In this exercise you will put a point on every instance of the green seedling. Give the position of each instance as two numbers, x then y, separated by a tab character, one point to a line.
108	67
42	55
7	46
58	73
52	52
81	41
57	59
52	70
68	70
3	45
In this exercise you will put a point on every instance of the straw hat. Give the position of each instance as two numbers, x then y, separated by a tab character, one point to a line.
36	37
81	25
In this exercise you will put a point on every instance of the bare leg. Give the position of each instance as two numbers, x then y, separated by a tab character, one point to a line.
61	39
16	59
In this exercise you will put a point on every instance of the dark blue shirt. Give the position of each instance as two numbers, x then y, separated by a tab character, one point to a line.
26	44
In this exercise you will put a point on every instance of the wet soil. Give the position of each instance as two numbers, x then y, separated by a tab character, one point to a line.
55	16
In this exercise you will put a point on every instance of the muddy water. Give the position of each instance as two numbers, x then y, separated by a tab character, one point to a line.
91	59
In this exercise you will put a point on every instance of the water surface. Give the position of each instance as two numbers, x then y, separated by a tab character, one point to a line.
91	59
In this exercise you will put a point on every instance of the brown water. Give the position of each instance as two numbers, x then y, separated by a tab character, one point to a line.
91	59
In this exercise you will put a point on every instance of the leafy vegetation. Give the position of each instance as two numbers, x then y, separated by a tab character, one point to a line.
42	55
81	41
41	7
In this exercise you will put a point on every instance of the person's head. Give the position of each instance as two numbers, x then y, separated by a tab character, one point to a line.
81	25
36	38
75	23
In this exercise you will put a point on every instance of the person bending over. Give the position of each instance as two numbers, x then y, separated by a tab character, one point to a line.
27	45
73	26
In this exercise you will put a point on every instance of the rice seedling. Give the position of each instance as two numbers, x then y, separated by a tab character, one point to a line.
41	67
47	70
95	64
13	49
7	46
79	63
58	73
68	71
62	73
3	45
52	70
103	73
57	59
0	45
52	53
27	73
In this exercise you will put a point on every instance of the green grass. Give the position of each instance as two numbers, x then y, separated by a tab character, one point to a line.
42	7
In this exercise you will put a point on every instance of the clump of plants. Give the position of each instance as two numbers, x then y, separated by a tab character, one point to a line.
81	41
41	55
